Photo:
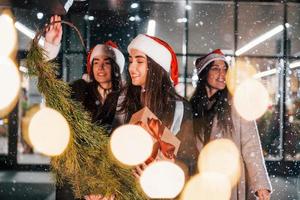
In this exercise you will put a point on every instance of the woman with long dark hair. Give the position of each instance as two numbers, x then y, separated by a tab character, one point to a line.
99	89
153	72
215	117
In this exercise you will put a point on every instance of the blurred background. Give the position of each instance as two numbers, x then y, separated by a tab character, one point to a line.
262	34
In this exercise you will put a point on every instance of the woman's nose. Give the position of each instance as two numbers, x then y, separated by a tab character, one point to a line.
223	72
132	67
101	66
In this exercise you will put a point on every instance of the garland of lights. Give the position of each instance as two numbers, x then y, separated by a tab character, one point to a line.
86	163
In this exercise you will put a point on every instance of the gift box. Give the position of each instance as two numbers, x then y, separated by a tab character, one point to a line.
166	144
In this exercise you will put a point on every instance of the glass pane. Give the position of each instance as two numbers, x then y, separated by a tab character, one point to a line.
192	76
181	70
260	25
268	124
30	100
211	27
28	23
72	40
294	30
4	135
73	66
292	134
169	19
119	28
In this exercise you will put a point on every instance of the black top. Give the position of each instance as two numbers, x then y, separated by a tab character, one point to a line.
88	95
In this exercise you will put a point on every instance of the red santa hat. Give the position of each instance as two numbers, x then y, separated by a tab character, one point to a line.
158	50
109	49
202	62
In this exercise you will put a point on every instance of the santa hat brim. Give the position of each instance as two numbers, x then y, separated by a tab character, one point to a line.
110	52
201	63
153	49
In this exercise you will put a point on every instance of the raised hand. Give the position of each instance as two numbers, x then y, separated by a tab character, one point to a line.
263	194
54	32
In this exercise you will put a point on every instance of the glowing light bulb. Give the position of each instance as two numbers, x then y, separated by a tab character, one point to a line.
251	99
215	154
8	35
163	180
238	73
26	120
49	132
131	144
10	84
207	186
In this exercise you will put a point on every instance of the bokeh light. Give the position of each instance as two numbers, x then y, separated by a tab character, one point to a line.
207	186
49	132
10	84
8	35
26	121
238	73
251	99
163	180
222	156
131	144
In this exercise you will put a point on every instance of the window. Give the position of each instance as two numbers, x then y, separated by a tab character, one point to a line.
260	22
211	27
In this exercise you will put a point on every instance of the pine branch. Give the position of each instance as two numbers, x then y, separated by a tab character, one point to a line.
86	163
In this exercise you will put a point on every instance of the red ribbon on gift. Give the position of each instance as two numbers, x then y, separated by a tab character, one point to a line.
156	130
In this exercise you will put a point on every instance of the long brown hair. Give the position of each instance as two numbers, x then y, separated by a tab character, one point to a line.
108	109
202	116
159	95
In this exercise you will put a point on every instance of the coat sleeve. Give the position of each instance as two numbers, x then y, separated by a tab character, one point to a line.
51	50
252	155
187	152
79	90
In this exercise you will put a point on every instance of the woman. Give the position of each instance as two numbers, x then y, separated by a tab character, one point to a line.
100	90
215	117
150	62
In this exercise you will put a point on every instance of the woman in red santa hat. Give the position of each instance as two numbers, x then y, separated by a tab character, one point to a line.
100	90
215	117
153	71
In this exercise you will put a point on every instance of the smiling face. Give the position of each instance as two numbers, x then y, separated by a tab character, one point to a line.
138	67
216	78
102	69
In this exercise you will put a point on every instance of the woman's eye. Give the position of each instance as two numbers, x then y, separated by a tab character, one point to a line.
140	61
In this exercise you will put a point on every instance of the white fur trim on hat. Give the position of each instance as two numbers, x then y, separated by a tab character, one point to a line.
208	59
111	52
153	49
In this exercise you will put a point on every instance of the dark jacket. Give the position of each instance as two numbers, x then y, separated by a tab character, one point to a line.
88	95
